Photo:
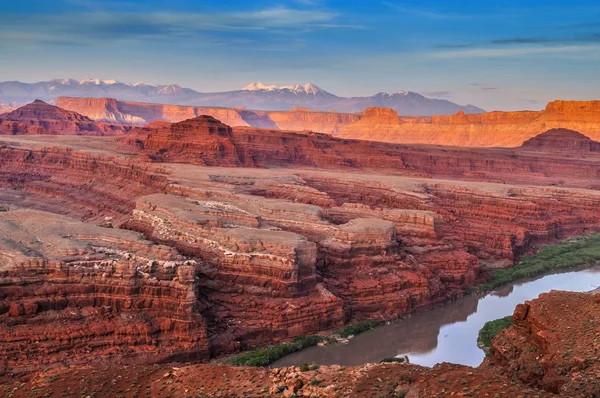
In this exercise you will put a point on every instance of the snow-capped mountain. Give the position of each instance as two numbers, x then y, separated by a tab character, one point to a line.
253	96
307	88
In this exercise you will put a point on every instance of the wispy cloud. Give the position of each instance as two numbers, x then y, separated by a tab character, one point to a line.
483	86
582	39
592	38
511	52
89	27
437	94
423	13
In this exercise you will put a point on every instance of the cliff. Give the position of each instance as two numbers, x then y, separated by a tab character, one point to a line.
115	111
72	292
42	118
491	129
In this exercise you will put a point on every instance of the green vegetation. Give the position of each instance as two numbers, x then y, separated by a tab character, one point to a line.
492	328
356	328
304	367
573	253
268	355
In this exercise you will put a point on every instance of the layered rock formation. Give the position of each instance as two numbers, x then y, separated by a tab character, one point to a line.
72	292
282	248
114	111
206	141
558	140
491	129
42	118
87	186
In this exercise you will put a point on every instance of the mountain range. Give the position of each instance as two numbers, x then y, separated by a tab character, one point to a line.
253	96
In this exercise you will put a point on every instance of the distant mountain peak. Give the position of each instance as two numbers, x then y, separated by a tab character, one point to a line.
257	95
144	84
99	82
307	88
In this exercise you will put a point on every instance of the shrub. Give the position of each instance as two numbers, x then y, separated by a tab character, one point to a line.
492	328
304	367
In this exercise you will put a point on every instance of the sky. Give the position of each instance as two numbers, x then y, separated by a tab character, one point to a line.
499	55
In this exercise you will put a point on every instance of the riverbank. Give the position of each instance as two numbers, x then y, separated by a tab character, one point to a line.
490	330
268	355
570	254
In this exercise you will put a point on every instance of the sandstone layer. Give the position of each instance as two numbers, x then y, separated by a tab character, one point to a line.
42	118
114	111
72	292
206	141
491	129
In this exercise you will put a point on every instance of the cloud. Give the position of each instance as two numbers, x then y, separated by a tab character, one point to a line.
424	13
88	27
483	86
437	94
453	45
590	38
511	52
593	38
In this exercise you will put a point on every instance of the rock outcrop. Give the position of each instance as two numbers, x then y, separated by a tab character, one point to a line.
491	129
72	292
42	118
553	344
557	140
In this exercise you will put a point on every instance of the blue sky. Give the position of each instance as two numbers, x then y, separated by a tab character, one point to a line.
504	55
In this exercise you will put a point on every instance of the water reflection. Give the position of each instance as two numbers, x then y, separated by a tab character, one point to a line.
446	334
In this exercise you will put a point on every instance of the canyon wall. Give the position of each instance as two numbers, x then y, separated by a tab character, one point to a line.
115	111
72	292
206	141
491	129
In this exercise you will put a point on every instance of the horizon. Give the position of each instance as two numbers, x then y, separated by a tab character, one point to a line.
494	56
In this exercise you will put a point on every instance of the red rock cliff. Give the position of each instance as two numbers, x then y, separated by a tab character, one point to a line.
505	129
112	110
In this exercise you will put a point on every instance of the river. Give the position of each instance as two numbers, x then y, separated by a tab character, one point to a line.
444	334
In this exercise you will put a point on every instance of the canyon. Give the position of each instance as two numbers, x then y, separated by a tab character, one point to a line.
193	240
491	129
548	352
